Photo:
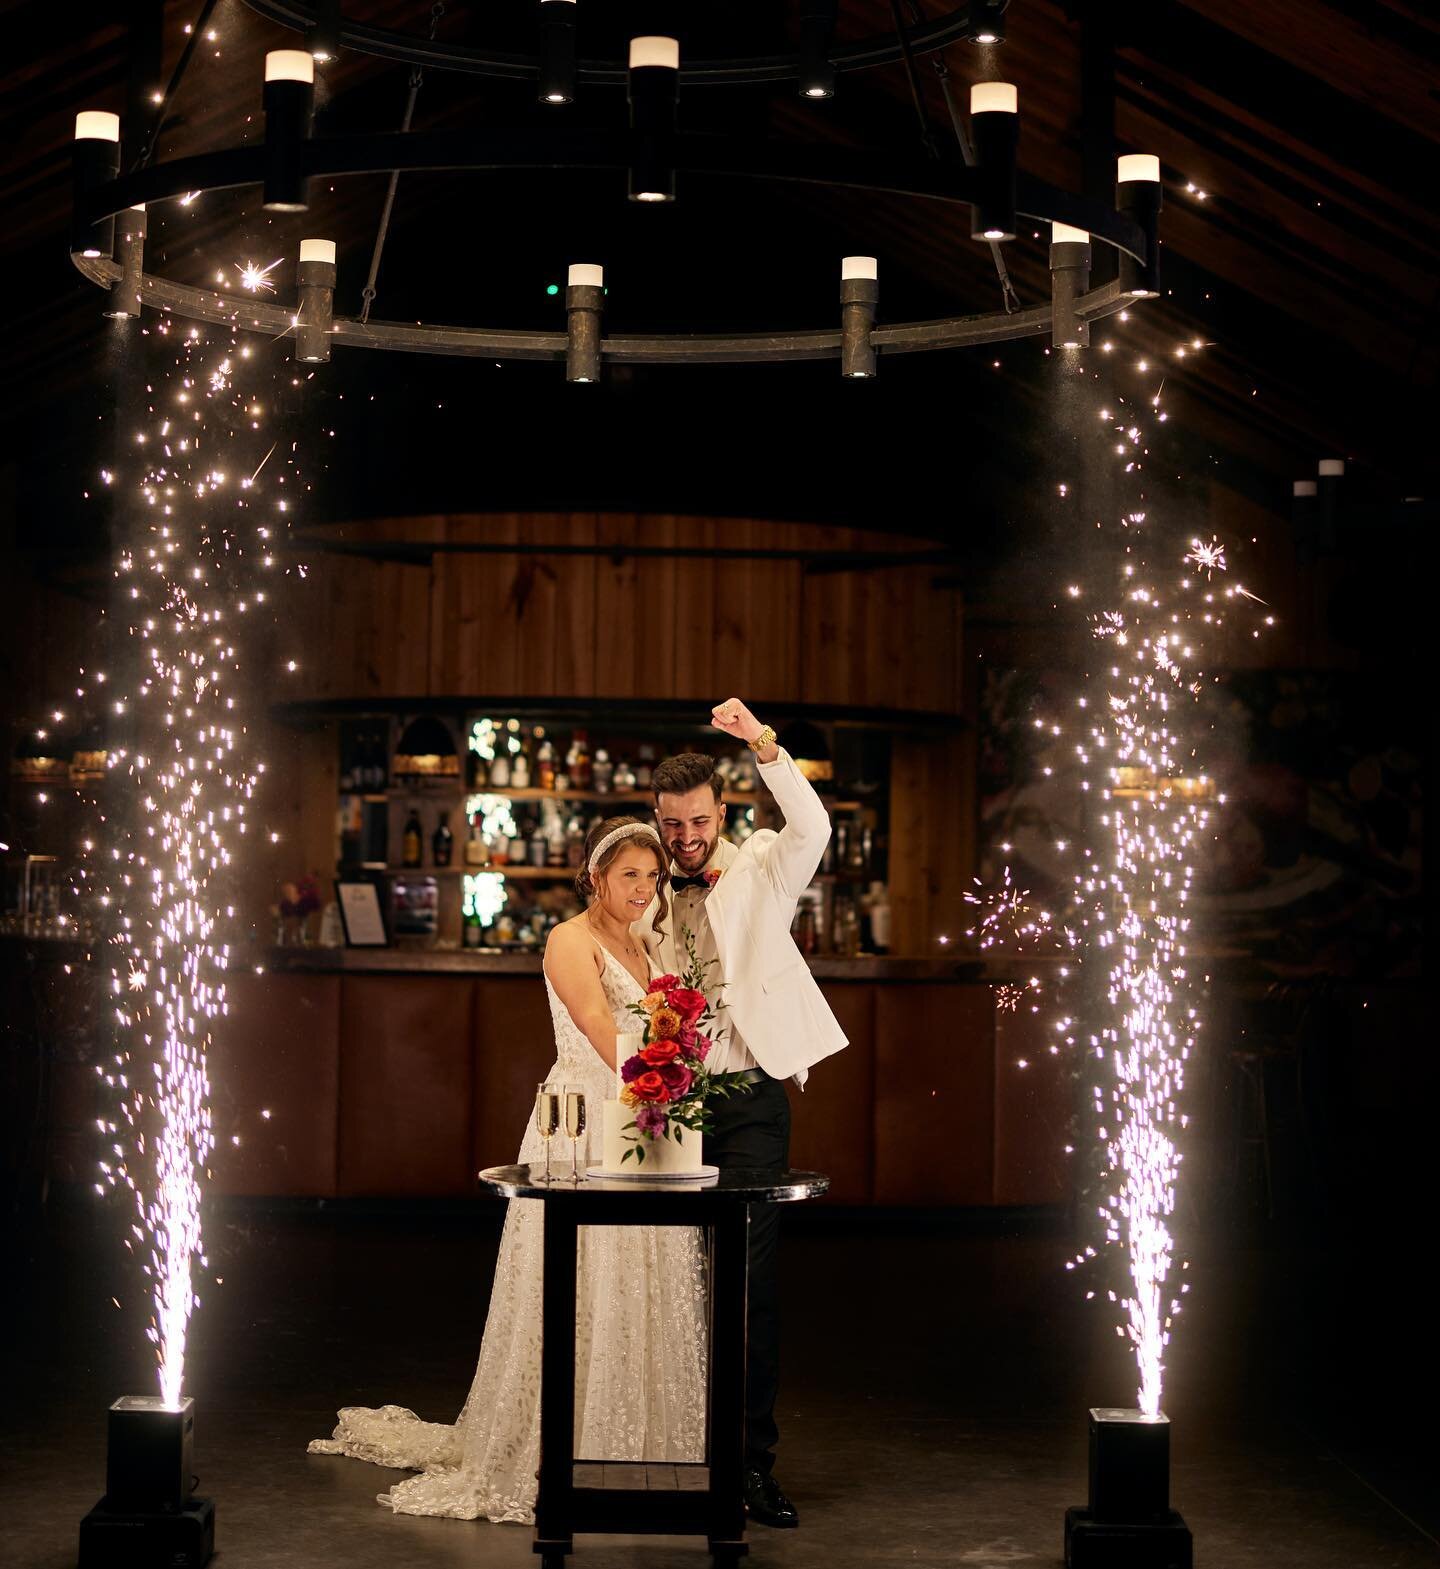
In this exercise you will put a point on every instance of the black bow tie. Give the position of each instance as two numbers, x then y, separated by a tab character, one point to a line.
677	883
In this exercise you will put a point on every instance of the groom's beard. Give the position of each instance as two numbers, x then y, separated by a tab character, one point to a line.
690	864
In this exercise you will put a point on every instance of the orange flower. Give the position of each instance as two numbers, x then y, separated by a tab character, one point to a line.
665	1024
658	1053
651	1001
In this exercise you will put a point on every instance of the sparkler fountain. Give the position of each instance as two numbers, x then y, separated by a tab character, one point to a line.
1156	624
193	564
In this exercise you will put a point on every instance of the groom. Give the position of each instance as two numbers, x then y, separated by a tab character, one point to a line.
739	902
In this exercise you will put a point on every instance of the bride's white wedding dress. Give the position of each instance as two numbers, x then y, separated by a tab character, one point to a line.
639	1352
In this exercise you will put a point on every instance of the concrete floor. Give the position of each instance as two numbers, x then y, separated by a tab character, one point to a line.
937	1373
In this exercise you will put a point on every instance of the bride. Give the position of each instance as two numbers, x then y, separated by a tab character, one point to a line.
641	1307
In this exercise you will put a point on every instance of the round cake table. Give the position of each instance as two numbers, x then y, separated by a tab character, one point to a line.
635	1497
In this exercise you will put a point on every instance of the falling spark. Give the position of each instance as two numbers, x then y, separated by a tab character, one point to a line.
1208	558
256	278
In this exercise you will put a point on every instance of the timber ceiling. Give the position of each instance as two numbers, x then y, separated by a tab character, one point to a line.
1308	270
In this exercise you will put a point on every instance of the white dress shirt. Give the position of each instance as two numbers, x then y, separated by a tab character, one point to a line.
687	910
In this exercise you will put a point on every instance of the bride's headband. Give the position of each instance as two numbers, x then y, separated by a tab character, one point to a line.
626	831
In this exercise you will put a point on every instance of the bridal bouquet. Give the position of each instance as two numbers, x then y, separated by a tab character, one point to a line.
666	1081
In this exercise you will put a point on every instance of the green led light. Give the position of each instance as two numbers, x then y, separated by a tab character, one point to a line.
552	288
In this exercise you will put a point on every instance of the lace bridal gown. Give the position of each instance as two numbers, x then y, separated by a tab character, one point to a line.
639	1353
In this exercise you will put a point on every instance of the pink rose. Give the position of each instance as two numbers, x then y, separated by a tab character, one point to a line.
677	1079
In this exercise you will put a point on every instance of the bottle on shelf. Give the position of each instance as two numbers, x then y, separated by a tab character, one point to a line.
805	929
477	853
841	837
520	766
879	902
472	933
442	841
500	848
411	842
644	766
624	776
574	841
475	776
602	772
859	856
577	762
544	760
538	847
499	772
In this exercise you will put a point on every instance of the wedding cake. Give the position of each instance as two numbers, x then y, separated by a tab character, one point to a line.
663	1156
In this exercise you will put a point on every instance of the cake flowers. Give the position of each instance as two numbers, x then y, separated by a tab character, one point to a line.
666	1083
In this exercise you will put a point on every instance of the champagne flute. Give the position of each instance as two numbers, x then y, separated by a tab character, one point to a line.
574	1110
547	1116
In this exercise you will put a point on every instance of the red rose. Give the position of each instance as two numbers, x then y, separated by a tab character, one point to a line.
658	1053
650	1086
677	1079
663	983
687	1002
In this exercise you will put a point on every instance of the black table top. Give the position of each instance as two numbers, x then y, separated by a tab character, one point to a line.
528	1182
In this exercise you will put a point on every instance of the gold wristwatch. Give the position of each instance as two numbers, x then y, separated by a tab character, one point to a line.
764	739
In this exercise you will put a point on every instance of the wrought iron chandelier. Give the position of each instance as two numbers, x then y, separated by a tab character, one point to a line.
109	226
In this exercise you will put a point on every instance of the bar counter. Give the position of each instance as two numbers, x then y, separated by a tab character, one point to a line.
393	1074
495	961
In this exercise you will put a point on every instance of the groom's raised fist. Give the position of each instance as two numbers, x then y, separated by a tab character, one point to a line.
735	719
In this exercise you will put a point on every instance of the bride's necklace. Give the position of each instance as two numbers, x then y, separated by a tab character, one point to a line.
632	948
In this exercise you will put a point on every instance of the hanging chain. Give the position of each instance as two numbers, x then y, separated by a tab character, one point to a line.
157	123
417	78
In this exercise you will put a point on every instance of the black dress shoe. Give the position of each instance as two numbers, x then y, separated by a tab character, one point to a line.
766	1503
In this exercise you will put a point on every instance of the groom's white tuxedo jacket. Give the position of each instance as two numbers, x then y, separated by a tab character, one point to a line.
769	995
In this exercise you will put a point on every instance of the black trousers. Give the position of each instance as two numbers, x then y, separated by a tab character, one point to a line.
752	1133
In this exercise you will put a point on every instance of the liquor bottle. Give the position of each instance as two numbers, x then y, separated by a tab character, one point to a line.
473	934
500	848
544	761
476	853
880	917
442	841
555	842
602	772
645	766
411	844
520	767
474	772
574	841
500	767
538	846
625	778
577	762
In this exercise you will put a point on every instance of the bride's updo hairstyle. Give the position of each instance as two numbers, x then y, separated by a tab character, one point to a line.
649	840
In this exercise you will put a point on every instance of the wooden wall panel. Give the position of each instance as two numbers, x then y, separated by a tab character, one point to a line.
832	1122
932	841
934	1095
513	1046
406	1086
1032	1112
475	628
623	626
277	1050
